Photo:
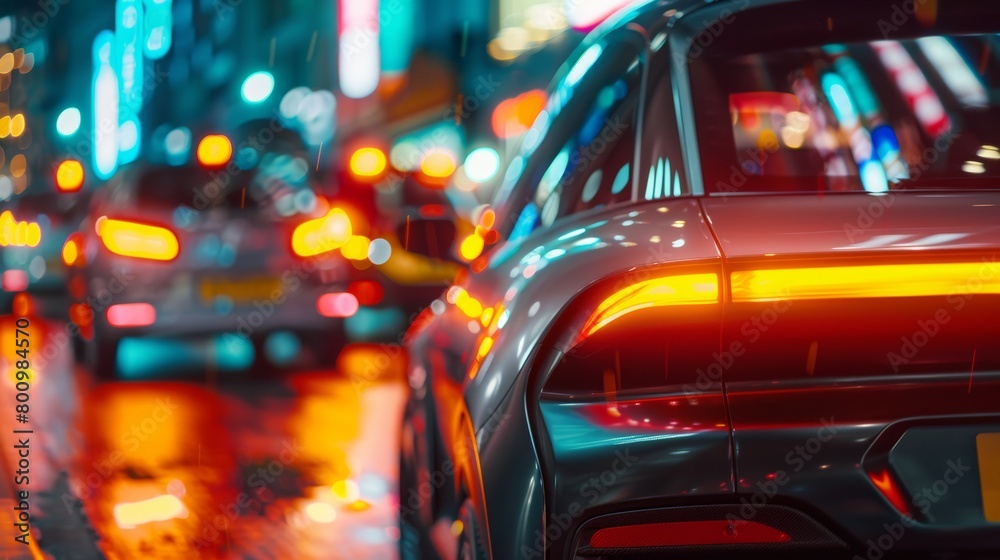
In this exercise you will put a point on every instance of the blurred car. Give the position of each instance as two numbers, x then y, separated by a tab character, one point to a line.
194	253
34	264
744	306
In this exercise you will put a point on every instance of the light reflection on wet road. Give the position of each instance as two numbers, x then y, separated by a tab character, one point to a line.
296	466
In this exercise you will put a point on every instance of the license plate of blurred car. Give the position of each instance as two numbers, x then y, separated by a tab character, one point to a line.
988	450
240	291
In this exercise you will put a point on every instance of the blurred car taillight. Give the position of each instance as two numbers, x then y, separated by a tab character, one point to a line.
131	315
144	241
15	280
323	234
340	304
367	292
72	252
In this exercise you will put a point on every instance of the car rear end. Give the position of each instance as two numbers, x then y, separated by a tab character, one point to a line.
831	385
33	232
182	253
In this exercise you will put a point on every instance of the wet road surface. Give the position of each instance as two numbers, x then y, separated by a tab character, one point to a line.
294	465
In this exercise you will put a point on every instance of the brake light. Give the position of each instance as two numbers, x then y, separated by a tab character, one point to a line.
143	241
320	235
131	315
368	292
339	304
687	289
879	281
687	533
887	486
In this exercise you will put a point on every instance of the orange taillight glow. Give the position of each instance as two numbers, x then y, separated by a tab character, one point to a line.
18	234
72	249
356	248
468	304
160	508
876	281
368	163
69	176
322	234
438	165
887	486
687	289
214	150
143	241
472	246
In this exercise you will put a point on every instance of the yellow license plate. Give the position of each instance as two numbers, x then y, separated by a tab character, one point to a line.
241	291
988	449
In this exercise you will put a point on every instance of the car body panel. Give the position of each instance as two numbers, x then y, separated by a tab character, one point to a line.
835	225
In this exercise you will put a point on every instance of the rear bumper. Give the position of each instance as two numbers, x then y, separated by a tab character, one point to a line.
183	308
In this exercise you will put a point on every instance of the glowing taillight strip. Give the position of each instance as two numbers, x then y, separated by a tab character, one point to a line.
686	289
687	533
878	281
131	239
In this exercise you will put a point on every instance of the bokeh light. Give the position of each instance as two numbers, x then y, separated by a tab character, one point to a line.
257	87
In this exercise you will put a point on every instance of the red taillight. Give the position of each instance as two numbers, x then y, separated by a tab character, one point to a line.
687	533
340	304
15	280
131	315
886	484
368	292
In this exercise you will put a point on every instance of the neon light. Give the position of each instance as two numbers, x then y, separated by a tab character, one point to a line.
910	80
960	78
157	28
105	107
875	281
358	52
128	38
397	19
129	139
68	122
257	87
584	16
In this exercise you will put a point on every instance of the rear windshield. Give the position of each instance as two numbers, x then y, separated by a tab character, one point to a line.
920	112
281	187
